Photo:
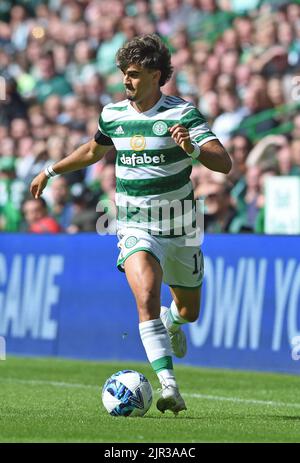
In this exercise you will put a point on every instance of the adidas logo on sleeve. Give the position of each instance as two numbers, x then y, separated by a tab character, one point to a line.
119	130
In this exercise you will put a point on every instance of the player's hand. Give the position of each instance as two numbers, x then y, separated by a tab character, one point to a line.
38	184
182	137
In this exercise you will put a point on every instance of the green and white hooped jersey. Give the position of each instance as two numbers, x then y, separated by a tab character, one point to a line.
151	169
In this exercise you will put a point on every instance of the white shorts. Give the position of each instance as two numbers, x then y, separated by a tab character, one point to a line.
182	265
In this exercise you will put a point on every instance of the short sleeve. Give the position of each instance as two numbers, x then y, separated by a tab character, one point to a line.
102	137
197	126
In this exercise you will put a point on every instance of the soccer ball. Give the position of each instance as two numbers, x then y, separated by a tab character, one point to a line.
127	393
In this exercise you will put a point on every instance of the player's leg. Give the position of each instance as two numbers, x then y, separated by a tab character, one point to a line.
186	304
185	308
184	274
144	275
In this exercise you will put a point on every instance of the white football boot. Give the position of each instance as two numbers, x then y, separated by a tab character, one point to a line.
177	338
170	400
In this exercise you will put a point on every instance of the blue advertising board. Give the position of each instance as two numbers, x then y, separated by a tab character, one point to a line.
63	296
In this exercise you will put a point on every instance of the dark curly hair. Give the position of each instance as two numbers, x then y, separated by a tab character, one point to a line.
149	52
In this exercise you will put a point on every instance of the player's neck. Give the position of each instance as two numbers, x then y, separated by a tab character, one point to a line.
145	105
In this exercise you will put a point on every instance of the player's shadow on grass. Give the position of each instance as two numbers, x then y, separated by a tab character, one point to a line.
285	417
229	417
172	417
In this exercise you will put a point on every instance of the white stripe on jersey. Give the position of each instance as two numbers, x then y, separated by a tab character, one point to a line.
152	143
182	220
144	201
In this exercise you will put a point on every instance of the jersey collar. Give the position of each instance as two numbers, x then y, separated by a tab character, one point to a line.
150	111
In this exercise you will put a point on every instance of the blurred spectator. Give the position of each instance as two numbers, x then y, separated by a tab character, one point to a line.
285	162
111	41
34	158
247	202
106	183
260	217
49	81
219	212
13	106
84	65
160	13
12	191
295	146
296	127
53	108
231	116
265	151
242	76
95	92
37	219
209	106
61	205
275	91
84	217
239	148
255	102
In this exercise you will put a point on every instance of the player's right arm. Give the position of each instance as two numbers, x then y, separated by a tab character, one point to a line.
83	156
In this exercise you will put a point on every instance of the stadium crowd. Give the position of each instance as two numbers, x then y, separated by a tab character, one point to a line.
238	61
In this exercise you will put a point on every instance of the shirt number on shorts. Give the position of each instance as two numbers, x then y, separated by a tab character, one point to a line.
197	263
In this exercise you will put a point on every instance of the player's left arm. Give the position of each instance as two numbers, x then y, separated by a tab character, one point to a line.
194	135
214	156
211	154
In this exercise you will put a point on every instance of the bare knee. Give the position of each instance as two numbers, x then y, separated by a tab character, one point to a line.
144	276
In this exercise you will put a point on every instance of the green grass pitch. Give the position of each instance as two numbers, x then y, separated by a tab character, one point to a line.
58	400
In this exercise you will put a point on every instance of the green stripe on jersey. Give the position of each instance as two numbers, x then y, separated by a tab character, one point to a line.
154	186
102	126
171	155
192	119
134	127
205	135
118	108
